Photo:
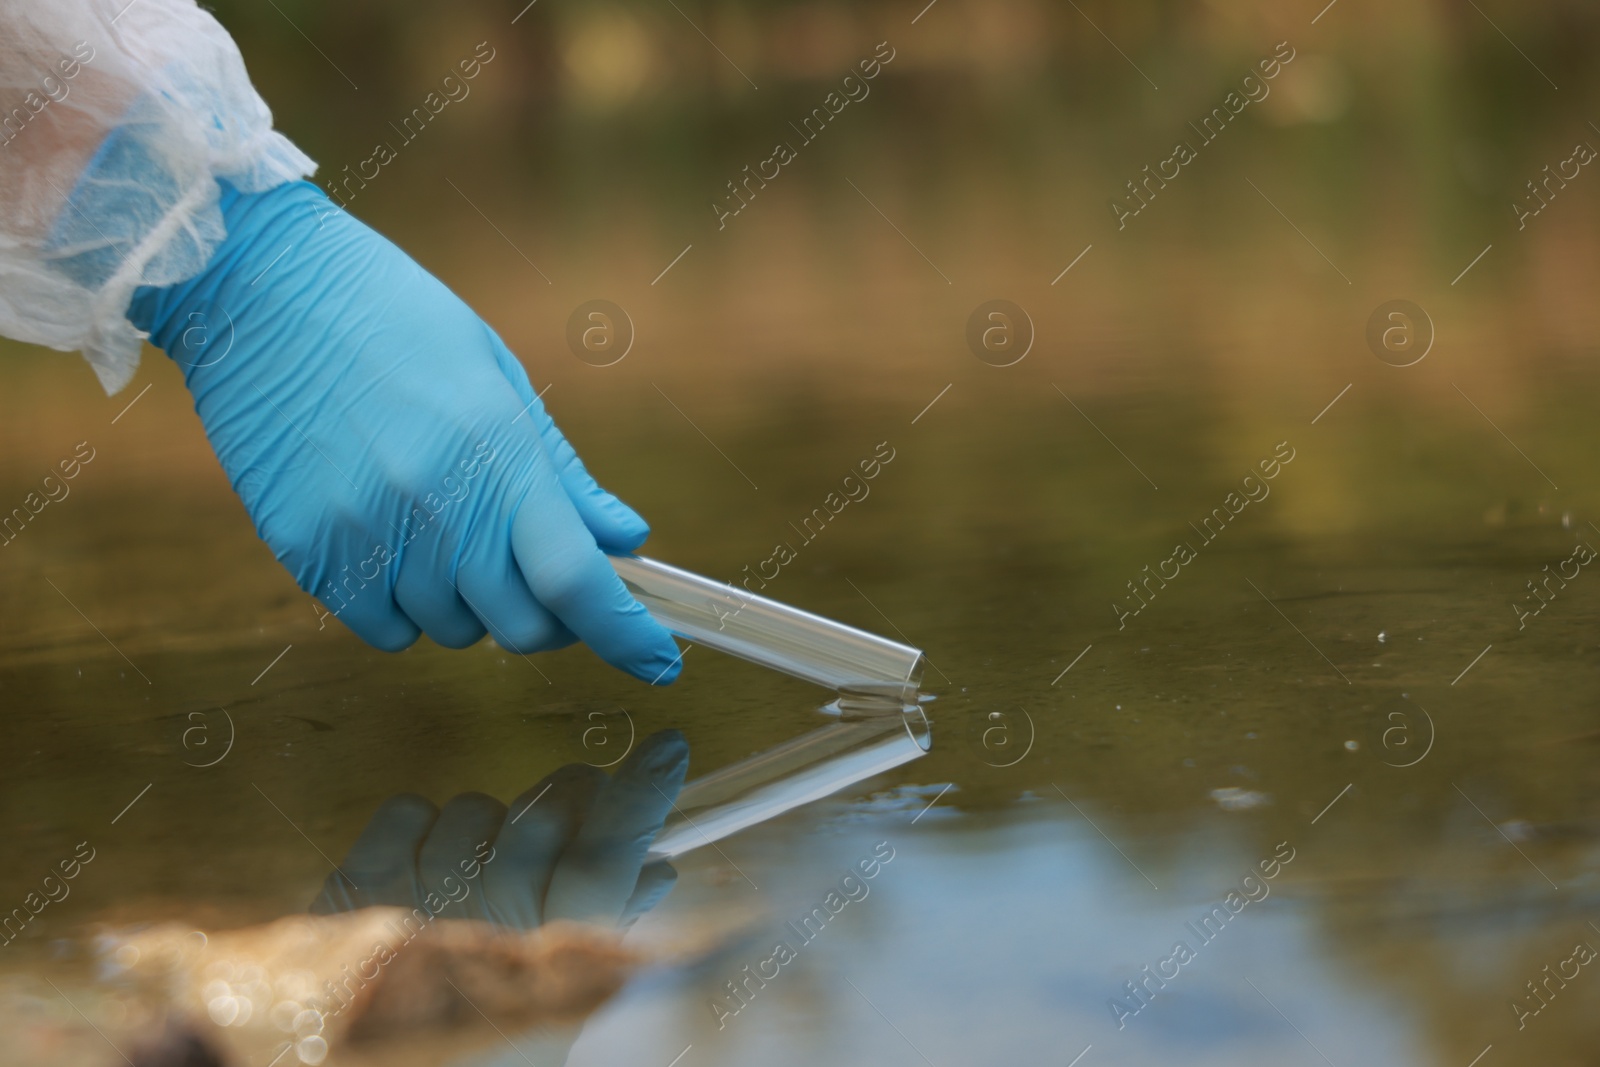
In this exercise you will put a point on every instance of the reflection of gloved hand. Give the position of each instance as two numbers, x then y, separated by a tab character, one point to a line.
571	847
389	446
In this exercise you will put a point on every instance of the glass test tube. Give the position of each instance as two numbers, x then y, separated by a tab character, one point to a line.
796	772
740	623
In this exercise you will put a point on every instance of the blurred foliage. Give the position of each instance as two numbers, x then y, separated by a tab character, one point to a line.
588	98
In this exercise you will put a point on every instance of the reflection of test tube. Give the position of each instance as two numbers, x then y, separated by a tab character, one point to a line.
797	772
754	628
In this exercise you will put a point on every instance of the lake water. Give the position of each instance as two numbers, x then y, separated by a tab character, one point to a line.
1346	679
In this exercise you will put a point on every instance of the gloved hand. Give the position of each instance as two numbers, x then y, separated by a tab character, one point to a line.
572	846
388	445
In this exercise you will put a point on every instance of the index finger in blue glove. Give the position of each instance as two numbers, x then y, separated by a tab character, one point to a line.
599	872
655	882
380	867
616	526
537	828
568	574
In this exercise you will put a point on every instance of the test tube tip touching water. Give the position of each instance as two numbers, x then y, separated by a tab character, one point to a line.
882	723
808	768
752	627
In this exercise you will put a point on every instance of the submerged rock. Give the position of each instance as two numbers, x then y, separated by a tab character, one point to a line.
313	989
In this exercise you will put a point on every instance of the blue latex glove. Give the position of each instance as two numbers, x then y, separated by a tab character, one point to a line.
388	445
572	846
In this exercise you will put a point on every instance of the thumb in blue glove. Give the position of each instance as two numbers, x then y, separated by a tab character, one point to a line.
389	447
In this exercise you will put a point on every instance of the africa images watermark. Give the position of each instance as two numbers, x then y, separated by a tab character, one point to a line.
855	488
1581	556
304	1020
422	514
1540	995
1142	989
852	888
55	890
1255	489
1583	154
54	87
833	504
1255	89
852	88
56	489
454	90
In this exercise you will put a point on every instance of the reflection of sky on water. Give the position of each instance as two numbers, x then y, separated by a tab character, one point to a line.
992	942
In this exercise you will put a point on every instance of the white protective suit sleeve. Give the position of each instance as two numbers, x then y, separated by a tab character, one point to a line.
116	120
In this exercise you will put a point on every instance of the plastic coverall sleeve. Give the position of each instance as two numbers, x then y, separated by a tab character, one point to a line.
117	119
